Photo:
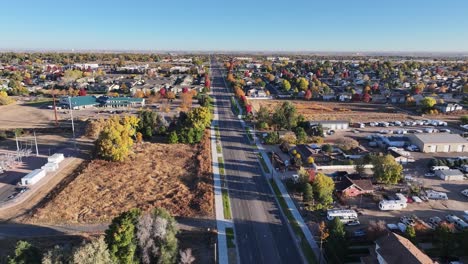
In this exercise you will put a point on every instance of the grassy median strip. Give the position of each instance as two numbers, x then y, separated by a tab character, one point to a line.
262	161
221	165
218	136
308	252
249	134
218	148
226	204
230	237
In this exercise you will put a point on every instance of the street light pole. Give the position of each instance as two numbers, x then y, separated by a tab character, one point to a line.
73	124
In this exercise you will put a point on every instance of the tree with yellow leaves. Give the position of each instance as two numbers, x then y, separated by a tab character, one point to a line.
4	98
115	140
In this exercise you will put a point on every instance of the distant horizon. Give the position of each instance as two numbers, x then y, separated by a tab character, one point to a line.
293	52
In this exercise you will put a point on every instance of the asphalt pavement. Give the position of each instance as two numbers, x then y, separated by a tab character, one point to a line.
260	231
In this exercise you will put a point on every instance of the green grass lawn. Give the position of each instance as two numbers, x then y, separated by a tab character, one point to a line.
230	237
218	148
226	204
308	252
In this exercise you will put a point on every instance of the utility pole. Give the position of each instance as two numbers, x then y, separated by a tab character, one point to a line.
35	141
17	144
55	108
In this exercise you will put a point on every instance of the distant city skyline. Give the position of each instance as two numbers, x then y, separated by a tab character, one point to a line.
250	26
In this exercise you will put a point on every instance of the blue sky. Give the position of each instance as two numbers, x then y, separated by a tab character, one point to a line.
291	25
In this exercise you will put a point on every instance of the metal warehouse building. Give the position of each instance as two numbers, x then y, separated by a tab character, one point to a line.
331	125
439	142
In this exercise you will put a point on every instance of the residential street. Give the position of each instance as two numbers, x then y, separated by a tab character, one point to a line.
261	233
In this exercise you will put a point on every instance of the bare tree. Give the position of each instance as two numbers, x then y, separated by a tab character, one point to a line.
186	256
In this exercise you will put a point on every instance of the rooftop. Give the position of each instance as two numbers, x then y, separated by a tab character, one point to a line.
440	138
397	249
449	172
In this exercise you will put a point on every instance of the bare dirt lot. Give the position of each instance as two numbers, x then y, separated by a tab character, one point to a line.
176	177
22	116
353	112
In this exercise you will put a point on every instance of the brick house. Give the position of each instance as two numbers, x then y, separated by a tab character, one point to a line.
348	187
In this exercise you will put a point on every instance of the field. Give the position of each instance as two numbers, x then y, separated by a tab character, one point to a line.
25	116
177	177
353	112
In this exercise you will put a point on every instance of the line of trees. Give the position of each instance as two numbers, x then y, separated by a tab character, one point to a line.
132	237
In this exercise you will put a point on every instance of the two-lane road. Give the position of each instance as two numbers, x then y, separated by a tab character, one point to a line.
261	232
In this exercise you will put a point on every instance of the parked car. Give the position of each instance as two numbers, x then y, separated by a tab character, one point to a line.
353	223
417	199
465	192
359	233
407	221
435	221
429	174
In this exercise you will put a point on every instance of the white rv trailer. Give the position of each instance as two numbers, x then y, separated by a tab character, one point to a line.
386	205
344	215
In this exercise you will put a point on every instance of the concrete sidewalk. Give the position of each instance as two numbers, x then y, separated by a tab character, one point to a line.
221	222
291	206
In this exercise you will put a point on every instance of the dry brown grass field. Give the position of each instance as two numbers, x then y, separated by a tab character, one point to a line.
353	112
177	177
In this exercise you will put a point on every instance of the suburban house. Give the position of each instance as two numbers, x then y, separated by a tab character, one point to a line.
448	107
305	151
348	187
393	248
439	142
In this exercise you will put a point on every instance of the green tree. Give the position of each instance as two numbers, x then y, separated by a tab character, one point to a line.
272	138
115	140
173	138
386	169
464	119
410	233
120	237
308	193
148	123
301	135
94	252
327	148
285	116
156	235
323	189
337	240
25	253
263	116
286	85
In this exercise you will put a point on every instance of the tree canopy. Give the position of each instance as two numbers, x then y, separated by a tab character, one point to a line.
386	169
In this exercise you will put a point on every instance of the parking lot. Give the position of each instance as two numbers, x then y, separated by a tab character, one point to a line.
367	206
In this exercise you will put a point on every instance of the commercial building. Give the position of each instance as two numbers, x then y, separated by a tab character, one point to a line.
450	175
78	102
106	101
331	125
439	142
